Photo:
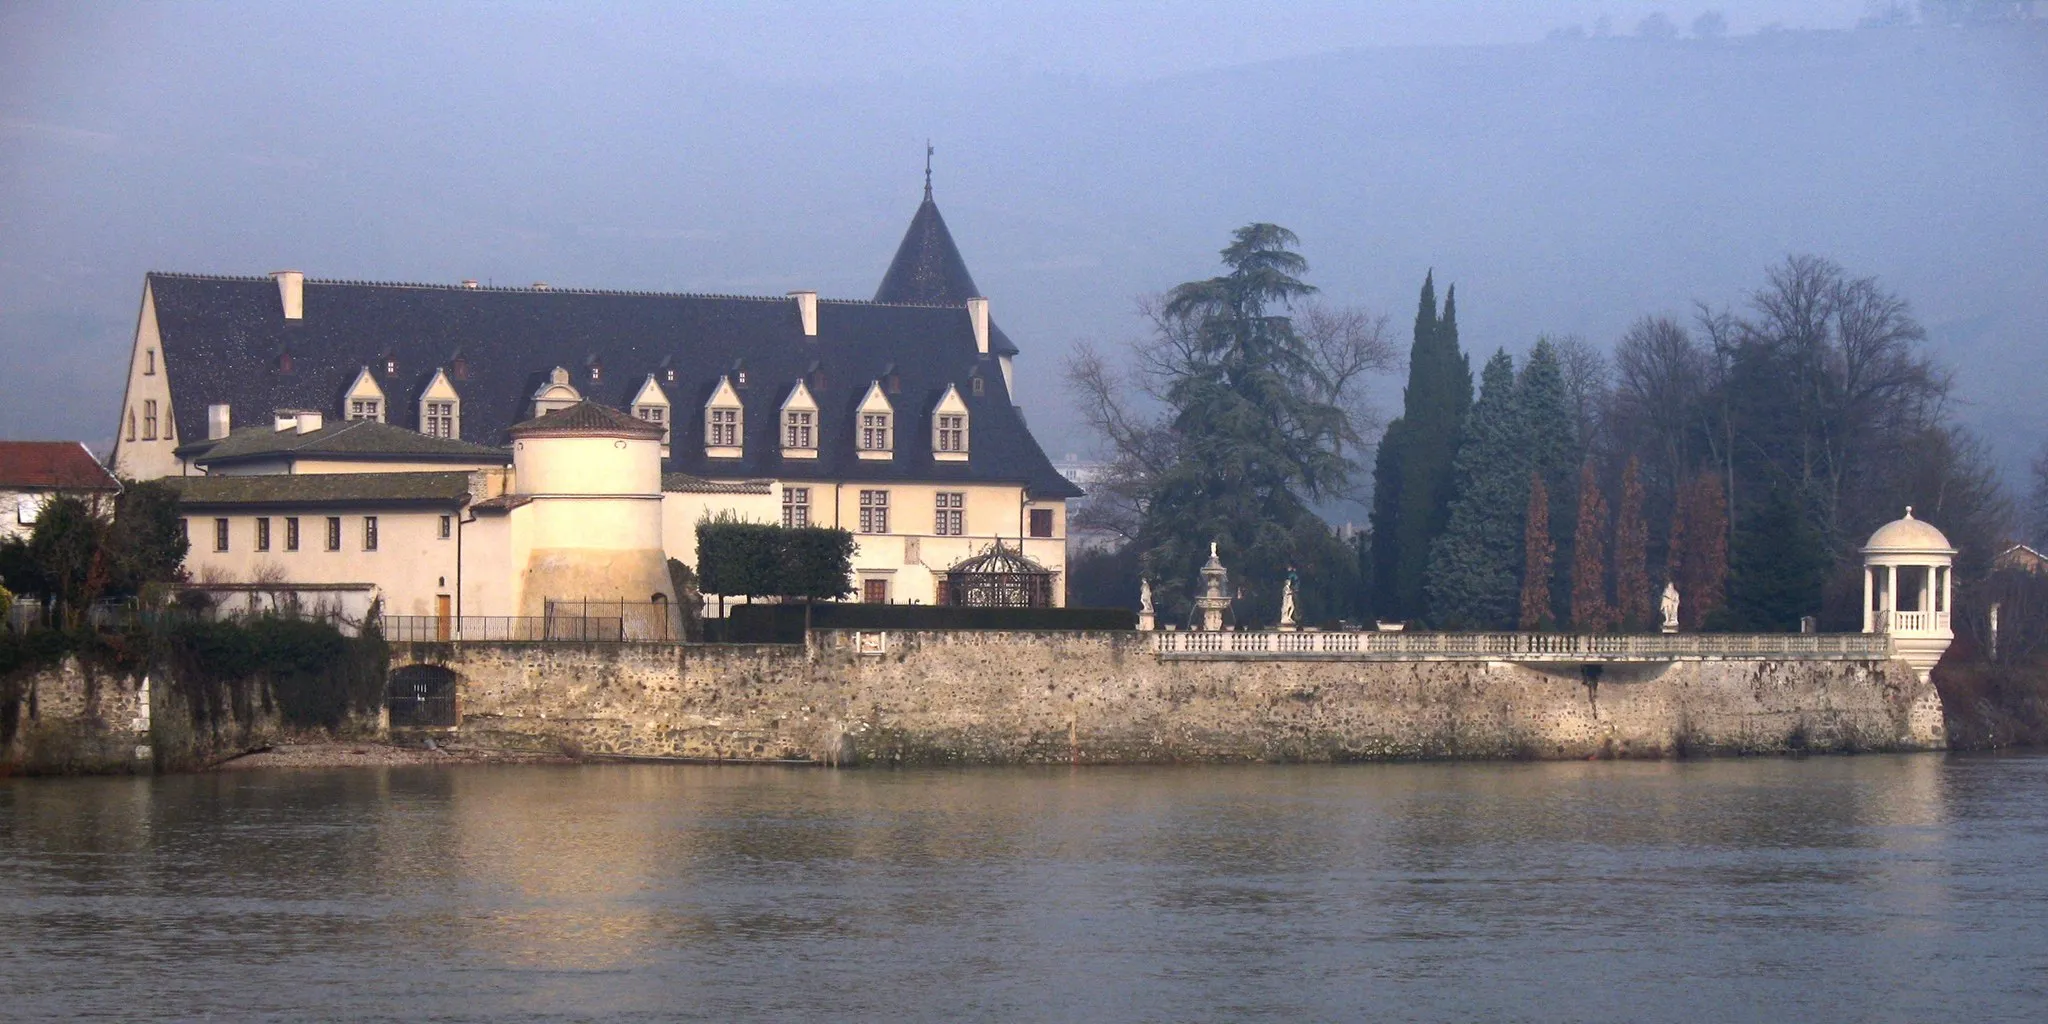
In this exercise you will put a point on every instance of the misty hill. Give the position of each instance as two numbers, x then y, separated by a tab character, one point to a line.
1566	187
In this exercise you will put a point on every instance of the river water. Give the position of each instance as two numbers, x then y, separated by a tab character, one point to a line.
1908	888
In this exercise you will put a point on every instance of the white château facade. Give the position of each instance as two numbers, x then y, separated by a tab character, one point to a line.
460	450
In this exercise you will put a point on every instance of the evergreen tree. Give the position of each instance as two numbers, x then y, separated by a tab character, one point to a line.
1631	553
1553	449
1780	566
1257	444
1536	554
1413	474
1475	566
1698	559
1590	611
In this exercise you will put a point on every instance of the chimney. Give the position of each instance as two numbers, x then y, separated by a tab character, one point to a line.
310	420
977	314
807	307
469	282
540	286
218	421
291	288
283	420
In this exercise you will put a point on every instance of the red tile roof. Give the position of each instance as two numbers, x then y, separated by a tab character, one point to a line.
52	466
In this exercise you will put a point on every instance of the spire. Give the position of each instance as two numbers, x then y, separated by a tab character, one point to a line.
927	170
928	267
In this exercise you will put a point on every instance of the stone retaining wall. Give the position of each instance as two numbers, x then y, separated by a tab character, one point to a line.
1011	698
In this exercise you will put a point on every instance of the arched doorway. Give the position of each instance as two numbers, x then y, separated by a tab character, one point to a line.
421	697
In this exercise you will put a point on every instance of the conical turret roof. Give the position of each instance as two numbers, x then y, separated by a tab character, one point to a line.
928	270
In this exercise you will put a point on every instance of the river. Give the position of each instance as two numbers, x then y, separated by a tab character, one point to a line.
1907	888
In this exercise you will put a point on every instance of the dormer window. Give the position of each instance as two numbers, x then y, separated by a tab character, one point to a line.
557	393
876	436
799	424
976	386
390	366
365	399
723	422
651	405
440	407
949	427
284	362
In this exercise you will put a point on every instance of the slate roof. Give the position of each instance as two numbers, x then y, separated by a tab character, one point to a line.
360	439
684	483
52	466
281	490
225	339
585	417
929	270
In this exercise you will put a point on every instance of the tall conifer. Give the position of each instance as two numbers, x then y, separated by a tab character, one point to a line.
1554	450
1631	553
1697	563
1412	477
1590	611
1475	565
1536	553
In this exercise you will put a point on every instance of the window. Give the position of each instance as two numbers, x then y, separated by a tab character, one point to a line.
952	433
977	387
440	419
291	533
363	408
874	432
220	535
797	429
263	533
796	506
131	423
874	511
874	590
724	429
149	361
1041	522
950	514
149	419
369	533
447	527
334	533
390	367
185	530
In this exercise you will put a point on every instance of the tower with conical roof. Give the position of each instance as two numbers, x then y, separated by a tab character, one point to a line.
928	270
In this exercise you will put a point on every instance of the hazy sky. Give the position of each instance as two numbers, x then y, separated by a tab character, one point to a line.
1088	152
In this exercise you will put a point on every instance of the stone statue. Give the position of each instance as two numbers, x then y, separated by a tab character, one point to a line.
1287	600
1146	621
1670	607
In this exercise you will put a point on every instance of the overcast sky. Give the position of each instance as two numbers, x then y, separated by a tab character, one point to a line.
1088	152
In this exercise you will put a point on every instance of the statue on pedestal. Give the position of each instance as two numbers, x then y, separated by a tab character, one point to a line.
1145	618
1670	607
1287	600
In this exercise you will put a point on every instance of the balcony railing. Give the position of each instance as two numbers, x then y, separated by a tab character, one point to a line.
1916	622
1562	647
524	629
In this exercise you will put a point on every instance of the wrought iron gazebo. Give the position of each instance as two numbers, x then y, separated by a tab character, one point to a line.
999	577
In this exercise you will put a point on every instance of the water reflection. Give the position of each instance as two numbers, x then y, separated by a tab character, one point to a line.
1873	887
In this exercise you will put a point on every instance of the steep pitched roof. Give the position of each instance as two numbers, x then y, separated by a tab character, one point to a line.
362	439
585	417
52	466
276	490
222	336
684	483
929	270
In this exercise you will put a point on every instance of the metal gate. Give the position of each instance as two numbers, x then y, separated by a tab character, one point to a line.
421	697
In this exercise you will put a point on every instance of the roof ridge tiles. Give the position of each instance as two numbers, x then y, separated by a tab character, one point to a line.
354	282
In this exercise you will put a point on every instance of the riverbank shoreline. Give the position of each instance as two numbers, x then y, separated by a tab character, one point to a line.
375	754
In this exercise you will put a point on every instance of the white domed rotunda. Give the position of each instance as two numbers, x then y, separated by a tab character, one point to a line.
1908	590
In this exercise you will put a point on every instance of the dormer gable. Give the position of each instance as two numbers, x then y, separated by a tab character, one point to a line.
724	422
441	408
800	423
555	393
949	427
875	425
364	399
651	404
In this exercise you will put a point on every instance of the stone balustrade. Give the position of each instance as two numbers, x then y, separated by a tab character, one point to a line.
1518	647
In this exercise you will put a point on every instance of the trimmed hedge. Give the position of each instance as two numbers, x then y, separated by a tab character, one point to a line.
784	623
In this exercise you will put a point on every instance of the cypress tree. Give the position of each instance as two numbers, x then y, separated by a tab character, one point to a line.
1631	553
1475	565
1536	552
1779	569
1590	611
1553	450
1697	563
1413	473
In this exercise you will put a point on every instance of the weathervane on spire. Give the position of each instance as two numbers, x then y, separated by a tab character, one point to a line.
927	170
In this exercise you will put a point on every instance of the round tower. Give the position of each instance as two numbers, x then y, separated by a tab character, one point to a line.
1908	590
592	522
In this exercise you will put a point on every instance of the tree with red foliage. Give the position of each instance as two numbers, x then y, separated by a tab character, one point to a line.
1590	611
1537	551
1698	563
1631	553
